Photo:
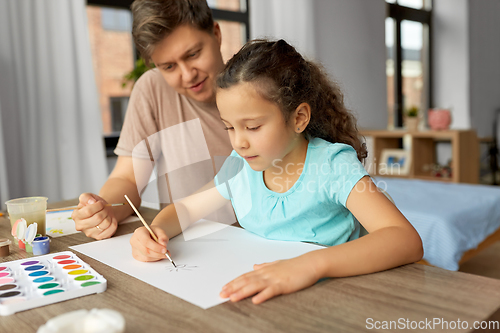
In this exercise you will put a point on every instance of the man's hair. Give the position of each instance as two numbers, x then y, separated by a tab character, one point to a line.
154	20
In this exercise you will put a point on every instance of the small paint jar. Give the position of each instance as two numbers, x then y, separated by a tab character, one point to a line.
28	247
4	247
41	245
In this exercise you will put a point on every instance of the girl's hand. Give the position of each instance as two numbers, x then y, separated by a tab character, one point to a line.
145	248
272	279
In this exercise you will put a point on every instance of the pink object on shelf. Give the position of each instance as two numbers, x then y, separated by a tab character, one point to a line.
439	119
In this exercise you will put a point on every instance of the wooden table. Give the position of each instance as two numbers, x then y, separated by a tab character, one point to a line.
409	293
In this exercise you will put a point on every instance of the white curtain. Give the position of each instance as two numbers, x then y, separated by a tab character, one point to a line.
291	20
4	185
50	129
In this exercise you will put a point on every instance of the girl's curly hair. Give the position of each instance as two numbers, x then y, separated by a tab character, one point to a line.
281	75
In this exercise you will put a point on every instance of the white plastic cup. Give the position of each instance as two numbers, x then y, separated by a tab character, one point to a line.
32	209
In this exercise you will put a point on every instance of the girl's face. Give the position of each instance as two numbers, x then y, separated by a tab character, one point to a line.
256	127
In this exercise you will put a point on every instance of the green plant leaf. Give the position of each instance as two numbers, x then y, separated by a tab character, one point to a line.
139	69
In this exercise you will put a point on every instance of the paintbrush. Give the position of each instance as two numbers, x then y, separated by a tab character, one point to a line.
147	227
76	207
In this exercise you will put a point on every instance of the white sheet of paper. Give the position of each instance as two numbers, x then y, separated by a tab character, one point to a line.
131	218
205	264
60	223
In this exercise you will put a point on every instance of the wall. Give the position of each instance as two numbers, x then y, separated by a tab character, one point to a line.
484	40
350	40
291	20
451	59
346	36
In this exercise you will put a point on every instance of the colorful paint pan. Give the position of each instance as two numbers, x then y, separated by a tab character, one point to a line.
61	257
34	268
53	291
78	272
44	279
37	274
30	282
83	278
10	294
73	266
50	285
8	286
6	280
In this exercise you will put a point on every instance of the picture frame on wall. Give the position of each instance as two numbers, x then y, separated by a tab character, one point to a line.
394	162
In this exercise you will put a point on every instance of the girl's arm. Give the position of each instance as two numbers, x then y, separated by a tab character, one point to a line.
392	241
174	219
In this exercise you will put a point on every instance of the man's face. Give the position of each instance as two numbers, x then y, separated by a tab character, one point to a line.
189	60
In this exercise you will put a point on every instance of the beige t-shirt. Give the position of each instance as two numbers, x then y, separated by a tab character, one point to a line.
183	138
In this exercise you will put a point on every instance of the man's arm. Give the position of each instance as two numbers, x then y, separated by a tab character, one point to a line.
99	221
122	181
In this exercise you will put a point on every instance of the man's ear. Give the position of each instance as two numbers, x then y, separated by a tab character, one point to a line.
302	116
217	33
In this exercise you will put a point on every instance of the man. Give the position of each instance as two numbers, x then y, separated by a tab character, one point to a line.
167	106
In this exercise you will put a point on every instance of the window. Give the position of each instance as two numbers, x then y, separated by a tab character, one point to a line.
118	108
233	18
408	65
114	55
116	19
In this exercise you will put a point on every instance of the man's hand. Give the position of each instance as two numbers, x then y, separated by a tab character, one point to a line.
94	218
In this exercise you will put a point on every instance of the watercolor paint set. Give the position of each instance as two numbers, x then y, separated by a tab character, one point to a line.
33	282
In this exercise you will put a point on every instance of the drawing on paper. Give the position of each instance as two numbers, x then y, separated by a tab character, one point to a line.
181	267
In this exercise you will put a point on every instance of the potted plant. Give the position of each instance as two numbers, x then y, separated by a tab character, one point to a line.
139	69
412	118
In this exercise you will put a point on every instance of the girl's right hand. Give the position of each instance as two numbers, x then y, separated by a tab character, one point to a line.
145	248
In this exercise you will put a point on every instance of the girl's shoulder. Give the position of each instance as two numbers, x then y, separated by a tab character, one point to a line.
331	152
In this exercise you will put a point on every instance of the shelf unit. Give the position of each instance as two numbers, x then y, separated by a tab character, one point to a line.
465	152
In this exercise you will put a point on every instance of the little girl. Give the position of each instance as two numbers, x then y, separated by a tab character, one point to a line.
294	174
